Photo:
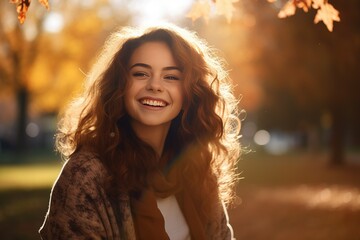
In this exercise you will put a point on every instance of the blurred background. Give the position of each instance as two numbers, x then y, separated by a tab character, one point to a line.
298	83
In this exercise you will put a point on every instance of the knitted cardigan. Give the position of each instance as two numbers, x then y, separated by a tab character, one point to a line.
80	208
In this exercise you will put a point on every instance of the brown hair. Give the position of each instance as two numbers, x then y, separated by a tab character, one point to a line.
205	132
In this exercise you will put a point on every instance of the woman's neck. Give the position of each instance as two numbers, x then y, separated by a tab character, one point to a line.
153	135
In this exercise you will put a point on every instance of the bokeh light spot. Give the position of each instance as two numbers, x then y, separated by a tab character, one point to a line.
54	23
262	137
32	130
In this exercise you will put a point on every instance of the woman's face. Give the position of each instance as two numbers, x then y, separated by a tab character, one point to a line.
154	95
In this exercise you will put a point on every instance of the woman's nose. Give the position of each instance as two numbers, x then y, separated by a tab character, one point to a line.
155	84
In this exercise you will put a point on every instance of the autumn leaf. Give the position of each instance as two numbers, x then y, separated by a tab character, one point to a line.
226	8
287	10
303	4
317	3
22	7
328	14
325	11
200	9
45	3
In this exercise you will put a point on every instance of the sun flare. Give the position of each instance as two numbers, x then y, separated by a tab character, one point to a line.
152	12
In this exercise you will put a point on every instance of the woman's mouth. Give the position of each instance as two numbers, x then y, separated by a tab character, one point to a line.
153	102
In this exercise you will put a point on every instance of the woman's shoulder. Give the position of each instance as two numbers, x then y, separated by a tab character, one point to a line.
83	165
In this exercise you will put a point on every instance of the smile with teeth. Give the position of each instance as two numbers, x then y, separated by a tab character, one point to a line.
153	103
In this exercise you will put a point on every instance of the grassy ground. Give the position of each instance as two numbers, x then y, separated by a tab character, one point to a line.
25	182
295	197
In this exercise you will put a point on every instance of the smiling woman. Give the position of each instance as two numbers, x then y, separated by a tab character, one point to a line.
152	143
155	93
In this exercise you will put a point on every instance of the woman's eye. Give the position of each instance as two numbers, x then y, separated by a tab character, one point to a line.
140	74
171	77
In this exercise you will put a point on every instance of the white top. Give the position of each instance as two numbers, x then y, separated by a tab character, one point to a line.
175	223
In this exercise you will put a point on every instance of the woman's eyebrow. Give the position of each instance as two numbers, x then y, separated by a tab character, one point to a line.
172	68
149	67
140	65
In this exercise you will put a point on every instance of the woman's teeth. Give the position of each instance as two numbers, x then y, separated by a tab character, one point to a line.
154	103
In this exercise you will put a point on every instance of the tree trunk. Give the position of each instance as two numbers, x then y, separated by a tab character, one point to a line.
337	136
22	100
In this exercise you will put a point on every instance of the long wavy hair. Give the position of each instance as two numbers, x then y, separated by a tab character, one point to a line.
205	133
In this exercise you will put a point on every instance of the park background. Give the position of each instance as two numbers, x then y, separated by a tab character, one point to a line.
297	82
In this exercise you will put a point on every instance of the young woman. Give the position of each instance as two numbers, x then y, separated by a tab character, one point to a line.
151	144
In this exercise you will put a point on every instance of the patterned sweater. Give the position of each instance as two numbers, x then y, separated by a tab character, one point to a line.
80	208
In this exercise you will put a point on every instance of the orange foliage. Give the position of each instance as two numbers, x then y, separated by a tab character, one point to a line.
226	8
202	8
325	11
51	92
22	7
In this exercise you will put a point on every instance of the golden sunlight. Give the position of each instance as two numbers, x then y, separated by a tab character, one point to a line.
29	176
323	197
151	12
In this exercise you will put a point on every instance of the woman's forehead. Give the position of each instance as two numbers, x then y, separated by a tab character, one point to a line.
153	54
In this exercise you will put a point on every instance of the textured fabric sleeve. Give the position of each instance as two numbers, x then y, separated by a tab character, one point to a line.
79	208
